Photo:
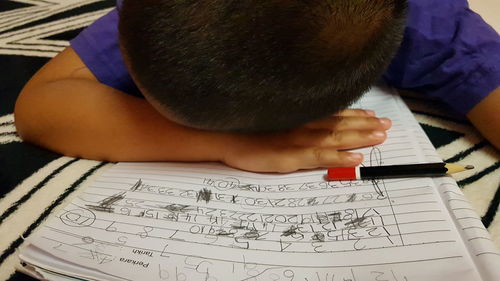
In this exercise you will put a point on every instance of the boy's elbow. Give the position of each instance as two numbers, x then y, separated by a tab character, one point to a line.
34	120
25	117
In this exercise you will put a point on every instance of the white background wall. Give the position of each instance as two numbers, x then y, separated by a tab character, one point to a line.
489	10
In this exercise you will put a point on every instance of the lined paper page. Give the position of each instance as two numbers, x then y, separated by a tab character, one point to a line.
173	221
476	237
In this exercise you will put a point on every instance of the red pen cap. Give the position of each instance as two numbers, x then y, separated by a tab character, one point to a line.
338	174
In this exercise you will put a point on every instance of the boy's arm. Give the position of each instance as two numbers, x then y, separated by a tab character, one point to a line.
449	52
486	117
64	108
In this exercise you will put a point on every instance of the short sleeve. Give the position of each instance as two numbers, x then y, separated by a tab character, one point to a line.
448	52
97	46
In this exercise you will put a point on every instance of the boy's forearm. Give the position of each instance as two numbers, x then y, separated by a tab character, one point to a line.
83	118
486	117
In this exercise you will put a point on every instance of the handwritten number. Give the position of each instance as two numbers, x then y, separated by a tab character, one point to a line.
164	251
379	275
288	273
357	246
243	245
284	245
57	247
111	228
317	246
145	233
122	240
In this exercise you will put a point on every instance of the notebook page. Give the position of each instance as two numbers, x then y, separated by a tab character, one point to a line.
172	221
481	247
474	234
426	150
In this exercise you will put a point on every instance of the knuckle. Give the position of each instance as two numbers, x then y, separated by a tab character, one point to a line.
348	123
374	121
336	137
322	139
338	119
318	154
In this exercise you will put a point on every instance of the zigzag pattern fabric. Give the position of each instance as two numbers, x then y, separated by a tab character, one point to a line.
35	182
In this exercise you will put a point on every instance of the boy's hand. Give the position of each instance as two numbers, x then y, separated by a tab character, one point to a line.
314	145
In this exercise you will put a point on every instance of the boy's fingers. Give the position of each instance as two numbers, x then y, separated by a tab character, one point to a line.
347	139
327	157
363	123
351	123
356	112
354	139
311	158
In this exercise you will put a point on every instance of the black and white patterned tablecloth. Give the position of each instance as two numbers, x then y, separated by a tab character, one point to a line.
34	181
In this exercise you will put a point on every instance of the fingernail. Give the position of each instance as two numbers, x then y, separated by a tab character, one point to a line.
355	157
370	112
378	134
385	121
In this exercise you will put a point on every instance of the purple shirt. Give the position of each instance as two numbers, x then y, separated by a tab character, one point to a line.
448	52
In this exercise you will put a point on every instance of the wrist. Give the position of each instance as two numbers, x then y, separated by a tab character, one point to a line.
229	146
193	145
214	146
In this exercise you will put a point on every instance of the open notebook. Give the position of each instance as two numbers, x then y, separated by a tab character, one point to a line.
173	221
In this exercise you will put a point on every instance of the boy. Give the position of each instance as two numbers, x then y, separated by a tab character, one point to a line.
244	82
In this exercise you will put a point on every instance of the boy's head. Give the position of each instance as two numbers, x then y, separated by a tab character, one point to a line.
260	65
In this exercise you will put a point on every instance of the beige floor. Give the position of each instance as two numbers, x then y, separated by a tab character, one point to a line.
489	10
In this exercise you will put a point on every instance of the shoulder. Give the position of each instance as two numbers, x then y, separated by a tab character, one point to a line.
98	47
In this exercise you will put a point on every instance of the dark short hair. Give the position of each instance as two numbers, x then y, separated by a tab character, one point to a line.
260	65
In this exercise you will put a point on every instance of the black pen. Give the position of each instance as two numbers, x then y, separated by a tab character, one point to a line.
395	171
